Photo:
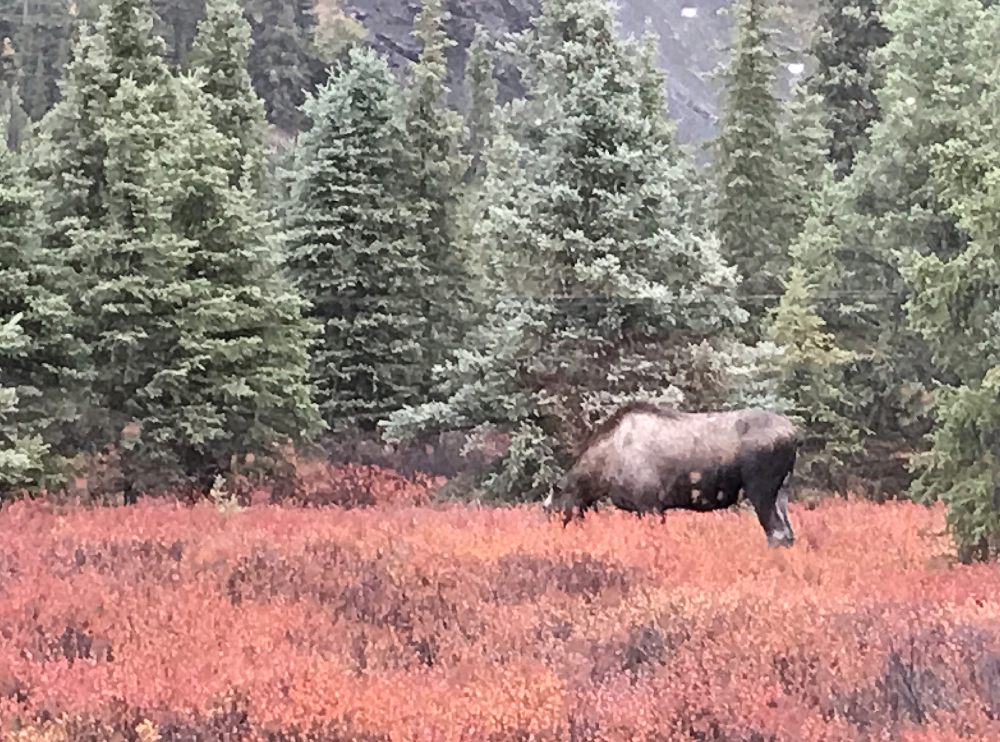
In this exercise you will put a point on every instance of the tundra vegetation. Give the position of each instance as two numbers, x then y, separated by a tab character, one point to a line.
243	261
448	622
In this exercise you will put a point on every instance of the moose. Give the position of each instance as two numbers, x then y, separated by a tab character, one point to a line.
652	458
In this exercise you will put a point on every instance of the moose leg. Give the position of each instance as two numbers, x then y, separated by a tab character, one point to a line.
782	508
775	525
763	483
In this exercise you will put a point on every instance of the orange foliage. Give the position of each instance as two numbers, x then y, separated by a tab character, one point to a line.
409	621
314	482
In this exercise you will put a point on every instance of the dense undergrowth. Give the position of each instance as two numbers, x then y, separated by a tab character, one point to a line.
409	621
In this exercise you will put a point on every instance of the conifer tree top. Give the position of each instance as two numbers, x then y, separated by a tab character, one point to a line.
134	48
219	62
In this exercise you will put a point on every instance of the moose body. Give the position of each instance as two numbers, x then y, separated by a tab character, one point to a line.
648	458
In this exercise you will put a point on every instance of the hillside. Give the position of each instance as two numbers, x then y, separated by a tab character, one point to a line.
694	35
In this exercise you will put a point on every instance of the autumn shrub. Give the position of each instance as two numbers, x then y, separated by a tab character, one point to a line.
449	622
314	482
448	454
287	477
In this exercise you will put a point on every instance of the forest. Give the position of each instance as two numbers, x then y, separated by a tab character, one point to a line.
293	342
244	243
236	236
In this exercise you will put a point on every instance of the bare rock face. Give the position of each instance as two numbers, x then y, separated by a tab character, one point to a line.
694	39
389	23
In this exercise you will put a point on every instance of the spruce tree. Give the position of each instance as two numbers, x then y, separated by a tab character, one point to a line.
591	260
133	287
239	381
749	197
219	62
66	160
811	377
348	248
41	359
846	76
812	365
805	142
688	182
430	179
651	91
249	371
481	127
480	119
197	353
135	50
955	299
891	208
68	155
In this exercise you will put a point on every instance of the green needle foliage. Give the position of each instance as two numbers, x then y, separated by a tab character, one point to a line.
749	213
604	287
219	62
480	117
350	250
198	350
430	179
41	360
955	302
846	76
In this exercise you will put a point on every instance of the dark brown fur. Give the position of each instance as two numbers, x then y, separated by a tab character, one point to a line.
684	464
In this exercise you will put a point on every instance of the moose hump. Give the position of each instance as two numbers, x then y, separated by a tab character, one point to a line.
651	458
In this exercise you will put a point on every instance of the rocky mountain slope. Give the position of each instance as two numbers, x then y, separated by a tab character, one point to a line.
694	37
